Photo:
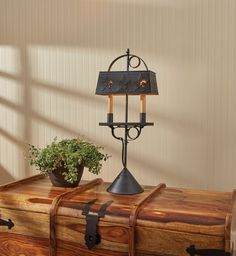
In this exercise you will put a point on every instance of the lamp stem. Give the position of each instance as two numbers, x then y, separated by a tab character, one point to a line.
126	119
126	131
128	59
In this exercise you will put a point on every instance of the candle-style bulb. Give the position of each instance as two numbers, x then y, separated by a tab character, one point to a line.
142	108
110	109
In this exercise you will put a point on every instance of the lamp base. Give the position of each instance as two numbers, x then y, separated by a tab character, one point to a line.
125	184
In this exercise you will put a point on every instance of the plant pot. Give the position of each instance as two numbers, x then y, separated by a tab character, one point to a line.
57	177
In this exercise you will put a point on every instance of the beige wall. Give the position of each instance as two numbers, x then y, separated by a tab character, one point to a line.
52	50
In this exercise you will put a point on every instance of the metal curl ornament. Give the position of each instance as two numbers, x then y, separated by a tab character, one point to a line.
131	138
138	130
113	133
130	57
139	62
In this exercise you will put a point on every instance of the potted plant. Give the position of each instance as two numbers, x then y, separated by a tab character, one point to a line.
64	160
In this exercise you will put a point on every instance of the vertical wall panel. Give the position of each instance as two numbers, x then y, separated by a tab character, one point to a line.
52	50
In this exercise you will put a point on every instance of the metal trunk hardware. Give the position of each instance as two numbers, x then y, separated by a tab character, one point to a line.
92	237
192	251
8	223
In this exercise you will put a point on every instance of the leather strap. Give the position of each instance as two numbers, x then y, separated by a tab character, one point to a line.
227	229
54	208
134	214
231	225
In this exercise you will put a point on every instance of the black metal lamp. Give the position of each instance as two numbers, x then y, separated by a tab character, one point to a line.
112	83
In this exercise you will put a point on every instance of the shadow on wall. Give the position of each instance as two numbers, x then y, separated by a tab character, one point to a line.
172	31
5	177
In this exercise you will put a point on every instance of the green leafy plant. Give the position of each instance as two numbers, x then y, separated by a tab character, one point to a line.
67	153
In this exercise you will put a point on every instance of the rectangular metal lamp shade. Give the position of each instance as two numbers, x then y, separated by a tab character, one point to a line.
126	82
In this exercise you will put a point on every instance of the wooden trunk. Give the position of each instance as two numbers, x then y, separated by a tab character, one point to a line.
161	221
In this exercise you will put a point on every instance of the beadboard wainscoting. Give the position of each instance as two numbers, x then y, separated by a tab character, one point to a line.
51	52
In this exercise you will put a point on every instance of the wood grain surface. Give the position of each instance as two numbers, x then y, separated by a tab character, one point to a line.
19	245
169	222
26	223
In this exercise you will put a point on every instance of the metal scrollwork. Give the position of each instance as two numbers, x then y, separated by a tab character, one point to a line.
138	132
139	61
130	57
113	128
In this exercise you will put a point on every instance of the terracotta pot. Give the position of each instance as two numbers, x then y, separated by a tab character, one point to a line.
57	178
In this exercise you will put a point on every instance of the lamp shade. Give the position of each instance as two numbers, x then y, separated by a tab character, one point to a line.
126	82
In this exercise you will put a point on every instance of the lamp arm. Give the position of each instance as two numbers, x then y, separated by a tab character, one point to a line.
131	138
113	133
122	140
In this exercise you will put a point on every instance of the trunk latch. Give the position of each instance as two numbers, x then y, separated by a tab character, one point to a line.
192	251
8	223
92	237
